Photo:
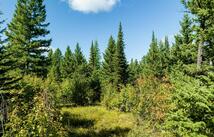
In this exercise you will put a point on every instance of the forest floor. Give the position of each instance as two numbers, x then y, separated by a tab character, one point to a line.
97	121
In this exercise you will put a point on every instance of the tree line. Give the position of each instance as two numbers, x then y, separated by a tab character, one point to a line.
170	89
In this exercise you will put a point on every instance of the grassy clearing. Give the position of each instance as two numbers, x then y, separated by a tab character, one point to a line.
96	122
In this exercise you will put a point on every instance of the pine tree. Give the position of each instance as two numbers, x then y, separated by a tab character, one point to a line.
109	61
68	63
56	67
6	64
26	37
2	58
94	60
121	65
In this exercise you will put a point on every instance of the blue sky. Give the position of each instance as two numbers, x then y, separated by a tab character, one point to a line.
83	22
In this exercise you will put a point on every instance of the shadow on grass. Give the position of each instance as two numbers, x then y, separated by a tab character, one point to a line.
116	132
73	122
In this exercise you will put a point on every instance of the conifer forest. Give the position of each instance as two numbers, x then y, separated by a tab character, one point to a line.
45	92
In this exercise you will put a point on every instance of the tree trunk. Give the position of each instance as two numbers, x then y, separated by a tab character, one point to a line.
199	57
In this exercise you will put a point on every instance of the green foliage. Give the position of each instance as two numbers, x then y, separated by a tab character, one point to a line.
157	61
203	14
109	62
154	99
68	64
95	86
121	65
184	51
151	62
6	82
33	111
181	105
146	129
56	66
193	111
79	57
81	92
134	71
149	99
94	60
26	37
126	100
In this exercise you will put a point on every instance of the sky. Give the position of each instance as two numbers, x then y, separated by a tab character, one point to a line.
82	21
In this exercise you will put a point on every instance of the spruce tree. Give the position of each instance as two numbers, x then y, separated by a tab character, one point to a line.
164	56
151	64
109	61
94	60
134	70
184	50
94	64
26	37
121	65
79	57
68	63
203	14
56	67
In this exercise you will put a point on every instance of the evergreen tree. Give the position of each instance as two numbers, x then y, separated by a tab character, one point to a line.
184	50
68	63
94	64
79	57
192	115
50	56
203	13
121	65
134	70
56	67
6	64
26	37
165	56
151	64
2	58
109	61
94	60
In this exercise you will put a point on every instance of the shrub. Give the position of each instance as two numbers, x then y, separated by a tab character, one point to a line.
155	98
33	110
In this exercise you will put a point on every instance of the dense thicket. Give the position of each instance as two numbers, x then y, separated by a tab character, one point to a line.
170	90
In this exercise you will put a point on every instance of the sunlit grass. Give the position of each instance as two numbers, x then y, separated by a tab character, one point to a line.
97	121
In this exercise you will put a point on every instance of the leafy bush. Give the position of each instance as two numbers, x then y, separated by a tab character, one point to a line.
80	88
33	110
155	98
109	96
146	130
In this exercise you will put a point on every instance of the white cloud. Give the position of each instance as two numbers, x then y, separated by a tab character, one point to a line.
92	6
